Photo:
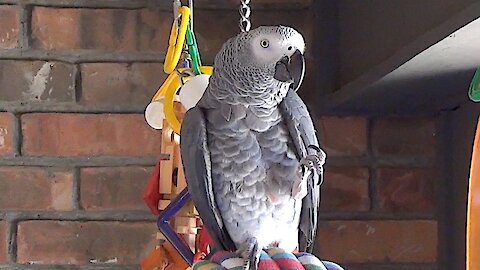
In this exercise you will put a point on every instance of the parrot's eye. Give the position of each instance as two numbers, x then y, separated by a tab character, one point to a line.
264	43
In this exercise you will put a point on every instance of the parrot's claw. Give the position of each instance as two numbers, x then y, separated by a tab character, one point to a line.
253	260
251	253
313	163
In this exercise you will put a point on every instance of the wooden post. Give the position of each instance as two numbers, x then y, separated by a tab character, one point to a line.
172	182
166	167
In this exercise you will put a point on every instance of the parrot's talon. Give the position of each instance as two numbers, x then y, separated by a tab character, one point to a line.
312	163
320	179
254	258
251	253
316	148
309	165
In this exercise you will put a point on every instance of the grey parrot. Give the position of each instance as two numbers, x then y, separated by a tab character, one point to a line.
249	149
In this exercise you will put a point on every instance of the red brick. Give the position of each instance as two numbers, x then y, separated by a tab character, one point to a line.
3	242
6	133
343	136
345	189
120	84
146	29
101	29
404	137
55	28
406	190
82	243
88	135
113	188
9	20
378	241
36	81
28	188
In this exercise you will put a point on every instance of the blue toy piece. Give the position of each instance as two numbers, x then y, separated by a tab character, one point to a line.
162	222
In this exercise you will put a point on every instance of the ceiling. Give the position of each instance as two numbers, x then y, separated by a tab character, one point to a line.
435	79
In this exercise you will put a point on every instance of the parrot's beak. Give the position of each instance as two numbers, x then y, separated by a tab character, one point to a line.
291	69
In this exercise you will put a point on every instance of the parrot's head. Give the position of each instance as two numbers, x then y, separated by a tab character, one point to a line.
268	57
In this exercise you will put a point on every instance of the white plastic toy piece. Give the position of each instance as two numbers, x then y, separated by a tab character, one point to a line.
154	114
192	91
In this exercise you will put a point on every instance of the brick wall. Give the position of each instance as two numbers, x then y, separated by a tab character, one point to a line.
379	200
75	152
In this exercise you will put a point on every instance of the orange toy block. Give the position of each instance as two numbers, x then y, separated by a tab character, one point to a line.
164	258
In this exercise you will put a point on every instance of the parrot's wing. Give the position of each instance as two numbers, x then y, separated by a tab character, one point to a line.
302	132
197	166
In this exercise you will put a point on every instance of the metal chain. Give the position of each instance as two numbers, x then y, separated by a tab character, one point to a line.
245	13
176	5
190	4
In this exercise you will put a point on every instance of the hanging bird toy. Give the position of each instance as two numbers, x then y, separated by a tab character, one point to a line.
191	79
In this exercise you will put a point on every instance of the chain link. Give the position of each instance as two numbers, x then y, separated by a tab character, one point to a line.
176	5
245	13
190	4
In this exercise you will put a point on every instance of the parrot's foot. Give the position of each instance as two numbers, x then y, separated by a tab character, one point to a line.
308	165
250	251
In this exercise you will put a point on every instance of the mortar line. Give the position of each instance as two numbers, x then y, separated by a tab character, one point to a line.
115	161
81	216
76	192
158	4
372	170
82	56
375	216
416	112
25	23
17	135
62	161
66	107
12	232
147	216
77	83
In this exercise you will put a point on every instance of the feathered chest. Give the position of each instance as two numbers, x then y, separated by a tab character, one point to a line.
253	163
247	144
